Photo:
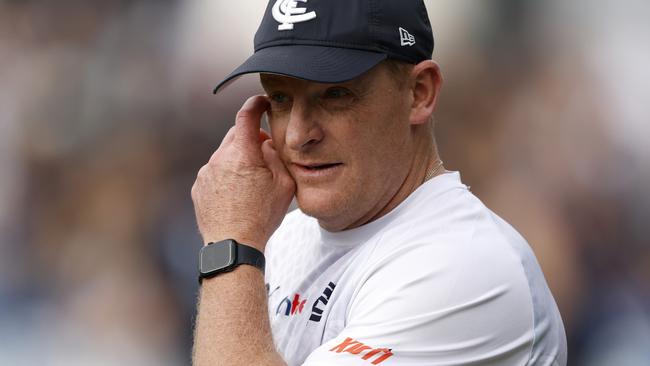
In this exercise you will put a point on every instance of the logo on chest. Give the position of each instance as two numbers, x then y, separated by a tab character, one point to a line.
317	309
291	306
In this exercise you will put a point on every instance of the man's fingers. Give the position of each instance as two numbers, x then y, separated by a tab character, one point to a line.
248	120
273	160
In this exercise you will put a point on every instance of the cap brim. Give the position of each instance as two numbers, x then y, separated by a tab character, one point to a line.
314	63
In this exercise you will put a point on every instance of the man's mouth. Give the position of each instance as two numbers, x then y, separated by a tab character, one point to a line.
318	166
315	170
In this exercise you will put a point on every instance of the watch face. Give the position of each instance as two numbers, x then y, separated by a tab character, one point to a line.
217	257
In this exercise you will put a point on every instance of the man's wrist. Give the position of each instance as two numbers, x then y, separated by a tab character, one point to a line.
250	240
227	255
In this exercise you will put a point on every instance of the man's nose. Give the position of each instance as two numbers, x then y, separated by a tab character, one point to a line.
303	130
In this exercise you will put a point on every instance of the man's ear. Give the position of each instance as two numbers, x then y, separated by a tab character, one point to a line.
426	81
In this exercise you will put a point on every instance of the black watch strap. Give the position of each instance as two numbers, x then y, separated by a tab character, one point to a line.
249	255
225	256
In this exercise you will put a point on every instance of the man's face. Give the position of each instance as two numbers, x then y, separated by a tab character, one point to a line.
348	146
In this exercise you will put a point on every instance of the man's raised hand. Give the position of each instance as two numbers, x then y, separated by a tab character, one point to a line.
244	190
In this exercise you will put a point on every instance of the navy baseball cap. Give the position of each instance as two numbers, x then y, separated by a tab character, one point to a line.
332	41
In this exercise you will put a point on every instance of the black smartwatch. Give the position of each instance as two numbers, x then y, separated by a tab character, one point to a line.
225	256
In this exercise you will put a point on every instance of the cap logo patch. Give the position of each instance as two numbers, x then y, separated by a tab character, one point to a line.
406	38
287	12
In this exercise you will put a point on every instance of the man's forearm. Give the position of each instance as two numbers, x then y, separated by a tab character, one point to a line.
232	323
242	193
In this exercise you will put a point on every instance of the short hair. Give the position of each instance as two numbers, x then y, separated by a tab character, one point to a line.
399	71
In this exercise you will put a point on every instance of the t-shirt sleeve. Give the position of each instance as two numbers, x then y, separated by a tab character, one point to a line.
429	305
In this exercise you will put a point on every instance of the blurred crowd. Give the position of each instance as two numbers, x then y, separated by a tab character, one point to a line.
106	115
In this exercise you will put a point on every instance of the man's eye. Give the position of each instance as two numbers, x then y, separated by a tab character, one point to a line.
279	98
334	93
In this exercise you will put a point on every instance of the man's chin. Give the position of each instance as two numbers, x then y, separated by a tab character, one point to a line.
319	203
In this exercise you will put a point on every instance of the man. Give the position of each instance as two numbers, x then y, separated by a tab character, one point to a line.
389	260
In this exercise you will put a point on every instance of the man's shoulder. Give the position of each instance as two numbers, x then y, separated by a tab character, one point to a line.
455	219
455	255
459	237
459	250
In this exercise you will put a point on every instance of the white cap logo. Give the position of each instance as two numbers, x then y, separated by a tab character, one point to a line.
406	38
287	12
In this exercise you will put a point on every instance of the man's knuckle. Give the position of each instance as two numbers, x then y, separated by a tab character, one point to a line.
212	162
231	132
203	175
216	155
193	191
243	115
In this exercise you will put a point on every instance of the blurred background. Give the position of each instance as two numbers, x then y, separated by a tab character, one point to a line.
106	114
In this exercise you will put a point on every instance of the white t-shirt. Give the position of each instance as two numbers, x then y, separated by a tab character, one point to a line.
440	280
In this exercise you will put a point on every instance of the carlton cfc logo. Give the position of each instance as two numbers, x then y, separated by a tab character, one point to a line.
287	12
